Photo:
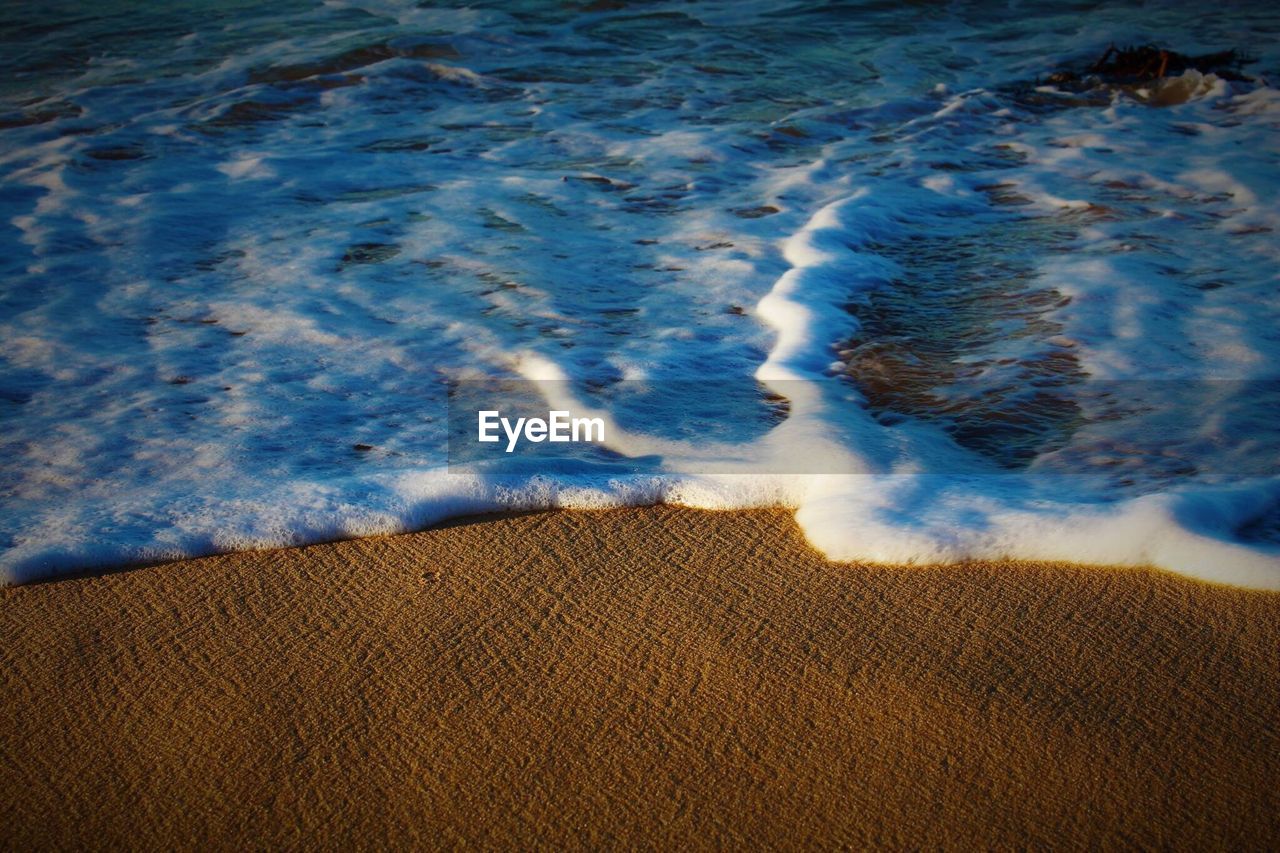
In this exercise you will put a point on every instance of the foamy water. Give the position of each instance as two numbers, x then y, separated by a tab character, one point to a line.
859	261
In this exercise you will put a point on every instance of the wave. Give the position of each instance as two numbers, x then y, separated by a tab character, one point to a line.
855	264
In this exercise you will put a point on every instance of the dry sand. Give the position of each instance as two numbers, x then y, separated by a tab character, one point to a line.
650	677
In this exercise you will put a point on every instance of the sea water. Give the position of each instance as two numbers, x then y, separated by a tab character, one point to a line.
858	259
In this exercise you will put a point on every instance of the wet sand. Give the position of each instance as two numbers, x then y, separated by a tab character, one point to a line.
651	677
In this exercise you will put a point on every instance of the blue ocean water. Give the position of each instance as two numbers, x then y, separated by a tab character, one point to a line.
853	258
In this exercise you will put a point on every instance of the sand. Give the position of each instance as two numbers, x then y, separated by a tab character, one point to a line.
641	678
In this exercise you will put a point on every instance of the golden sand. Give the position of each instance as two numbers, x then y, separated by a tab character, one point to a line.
649	677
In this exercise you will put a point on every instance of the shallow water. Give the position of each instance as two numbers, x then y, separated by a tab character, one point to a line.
844	257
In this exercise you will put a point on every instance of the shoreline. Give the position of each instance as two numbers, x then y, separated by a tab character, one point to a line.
651	675
466	519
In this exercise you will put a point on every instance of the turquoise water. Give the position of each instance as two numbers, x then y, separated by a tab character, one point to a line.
850	258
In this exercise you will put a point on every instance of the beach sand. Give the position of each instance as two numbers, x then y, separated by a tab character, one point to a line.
645	677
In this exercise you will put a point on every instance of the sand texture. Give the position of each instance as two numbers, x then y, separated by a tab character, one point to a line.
636	678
